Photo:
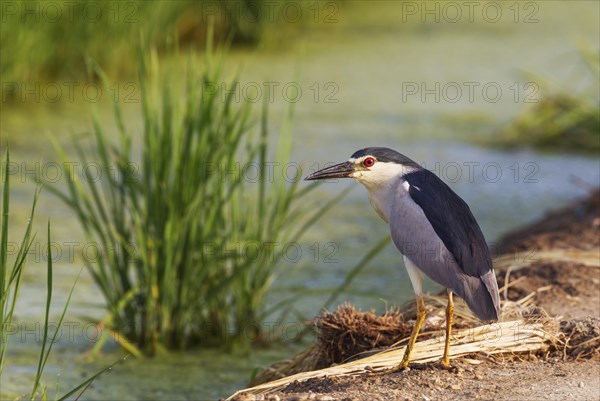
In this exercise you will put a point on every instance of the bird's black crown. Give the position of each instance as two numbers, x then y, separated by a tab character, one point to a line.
386	155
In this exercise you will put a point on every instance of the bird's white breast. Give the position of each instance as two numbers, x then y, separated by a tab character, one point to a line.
383	196
379	204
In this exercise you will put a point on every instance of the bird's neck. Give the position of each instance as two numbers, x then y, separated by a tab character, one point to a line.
380	196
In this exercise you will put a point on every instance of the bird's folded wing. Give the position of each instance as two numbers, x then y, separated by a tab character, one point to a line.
435	229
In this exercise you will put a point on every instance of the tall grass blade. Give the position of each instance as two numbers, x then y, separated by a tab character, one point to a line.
86	384
7	305
4	237
9	289
43	354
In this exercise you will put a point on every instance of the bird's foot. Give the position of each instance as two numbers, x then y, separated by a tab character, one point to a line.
395	369
445	365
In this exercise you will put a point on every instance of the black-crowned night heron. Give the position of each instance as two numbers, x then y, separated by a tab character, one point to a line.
432	227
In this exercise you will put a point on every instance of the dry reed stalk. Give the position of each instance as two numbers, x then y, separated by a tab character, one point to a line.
521	335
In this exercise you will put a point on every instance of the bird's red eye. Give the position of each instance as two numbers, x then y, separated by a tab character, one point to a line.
368	162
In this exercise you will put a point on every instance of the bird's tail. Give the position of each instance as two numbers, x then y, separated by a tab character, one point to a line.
481	295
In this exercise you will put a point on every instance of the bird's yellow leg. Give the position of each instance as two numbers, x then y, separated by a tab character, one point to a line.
415	332
449	316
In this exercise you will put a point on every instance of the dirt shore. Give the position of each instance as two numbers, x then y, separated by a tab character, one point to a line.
562	288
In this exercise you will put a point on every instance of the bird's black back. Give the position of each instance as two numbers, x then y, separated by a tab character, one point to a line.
452	221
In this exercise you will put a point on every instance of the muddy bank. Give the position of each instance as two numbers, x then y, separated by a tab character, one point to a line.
491	380
550	267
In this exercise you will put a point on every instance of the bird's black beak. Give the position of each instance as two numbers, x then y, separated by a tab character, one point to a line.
342	170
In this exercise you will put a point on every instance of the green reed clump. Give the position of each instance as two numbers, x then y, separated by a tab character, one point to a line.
44	41
188	239
562	119
558	121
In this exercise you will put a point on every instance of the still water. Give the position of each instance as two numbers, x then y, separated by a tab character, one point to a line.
429	91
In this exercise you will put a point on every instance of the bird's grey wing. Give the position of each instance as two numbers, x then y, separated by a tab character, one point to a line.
416	239
436	230
452	221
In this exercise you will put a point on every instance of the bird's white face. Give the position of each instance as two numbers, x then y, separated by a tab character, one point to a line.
379	177
375	174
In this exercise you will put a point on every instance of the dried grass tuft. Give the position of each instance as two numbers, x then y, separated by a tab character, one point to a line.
347	332
581	338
